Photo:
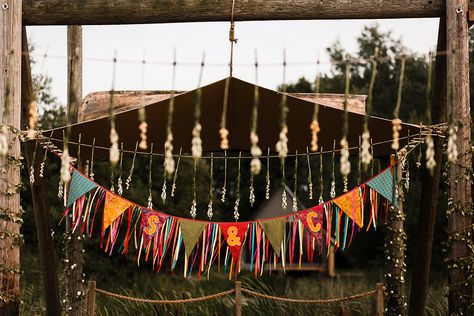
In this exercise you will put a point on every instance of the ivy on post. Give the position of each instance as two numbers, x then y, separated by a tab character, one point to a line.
10	159
73	240
460	208
395	245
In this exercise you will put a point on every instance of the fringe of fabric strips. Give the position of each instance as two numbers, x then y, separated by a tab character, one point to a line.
165	247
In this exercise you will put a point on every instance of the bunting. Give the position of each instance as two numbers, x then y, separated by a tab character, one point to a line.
384	185
217	242
312	219
79	186
234	235
151	223
350	203
275	232
113	208
191	230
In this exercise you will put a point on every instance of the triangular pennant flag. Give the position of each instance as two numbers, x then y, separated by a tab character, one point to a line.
234	235
191	231
384	185
151	223
312	219
275	231
350	204
80	185
113	208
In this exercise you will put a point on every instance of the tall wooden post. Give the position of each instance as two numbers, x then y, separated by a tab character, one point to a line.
429	188
39	194
74	247
460	207
10	213
395	252
91	298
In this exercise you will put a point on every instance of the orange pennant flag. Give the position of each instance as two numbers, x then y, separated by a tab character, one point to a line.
350	203
113	208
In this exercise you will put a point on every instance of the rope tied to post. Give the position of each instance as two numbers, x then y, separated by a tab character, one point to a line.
166	302
310	301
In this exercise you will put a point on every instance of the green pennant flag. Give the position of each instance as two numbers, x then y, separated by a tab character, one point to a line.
191	231
275	231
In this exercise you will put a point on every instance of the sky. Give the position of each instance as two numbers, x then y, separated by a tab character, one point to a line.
303	42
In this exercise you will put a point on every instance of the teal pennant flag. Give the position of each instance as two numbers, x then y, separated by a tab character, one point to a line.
384	185
80	185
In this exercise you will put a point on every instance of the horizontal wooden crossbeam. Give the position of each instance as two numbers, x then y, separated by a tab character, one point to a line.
90	12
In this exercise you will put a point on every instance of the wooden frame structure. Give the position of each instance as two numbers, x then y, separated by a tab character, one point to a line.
455	82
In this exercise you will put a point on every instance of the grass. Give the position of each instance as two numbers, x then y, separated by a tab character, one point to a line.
123	278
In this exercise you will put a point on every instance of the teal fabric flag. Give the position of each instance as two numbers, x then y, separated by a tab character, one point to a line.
384	185
80	185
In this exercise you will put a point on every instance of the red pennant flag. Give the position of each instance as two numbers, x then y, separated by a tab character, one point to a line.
312	219
150	224
234	235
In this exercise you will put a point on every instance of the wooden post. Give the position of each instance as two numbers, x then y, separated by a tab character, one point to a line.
238	298
74	245
430	188
10	112
379	307
395	251
331	262
460	207
91	298
39	194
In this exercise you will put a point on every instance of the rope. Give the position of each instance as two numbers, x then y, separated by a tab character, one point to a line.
307	301
232	39
166	302
244	290
434	132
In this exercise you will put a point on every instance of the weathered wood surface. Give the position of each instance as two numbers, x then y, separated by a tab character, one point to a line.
10	219
421	272
39	193
74	246
460	207
90	12
96	105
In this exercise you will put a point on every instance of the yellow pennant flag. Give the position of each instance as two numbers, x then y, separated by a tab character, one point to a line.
113	208
350	204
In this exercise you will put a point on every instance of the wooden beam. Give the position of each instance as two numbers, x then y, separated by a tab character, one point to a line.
460	206
39	193
429	188
10	214
74	246
87	12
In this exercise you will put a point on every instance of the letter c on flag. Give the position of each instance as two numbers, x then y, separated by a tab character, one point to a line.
309	218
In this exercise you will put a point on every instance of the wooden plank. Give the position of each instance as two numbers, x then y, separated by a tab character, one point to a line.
459	173
238	298
96	105
379	300
10	219
429	188
39	193
90	12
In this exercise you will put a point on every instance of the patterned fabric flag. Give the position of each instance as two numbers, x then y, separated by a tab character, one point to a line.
275	232
234	235
312	219
350	203
151	223
80	185
113	208
384	185
191	231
